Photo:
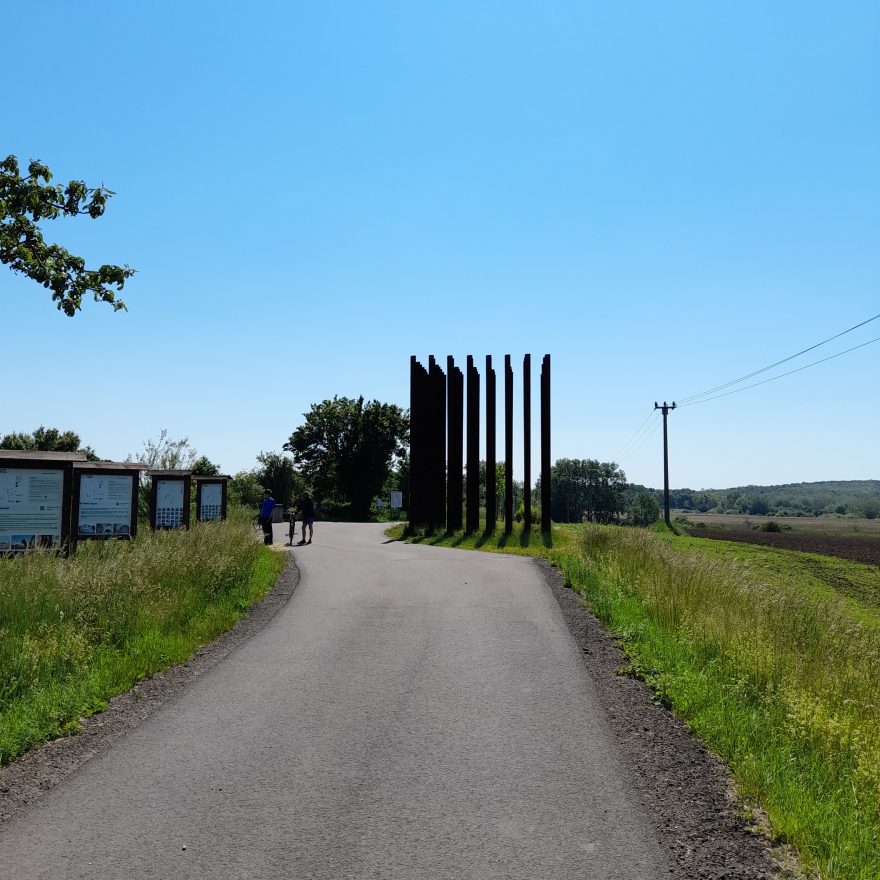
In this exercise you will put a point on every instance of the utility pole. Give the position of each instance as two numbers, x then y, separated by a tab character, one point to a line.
665	408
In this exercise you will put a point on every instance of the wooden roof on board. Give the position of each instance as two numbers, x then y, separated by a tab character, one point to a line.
200	478
110	465
169	473
28	455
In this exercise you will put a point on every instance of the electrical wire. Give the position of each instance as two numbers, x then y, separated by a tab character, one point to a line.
686	401
634	436
640	444
773	378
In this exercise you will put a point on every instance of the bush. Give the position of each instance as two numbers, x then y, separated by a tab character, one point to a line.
645	510
521	512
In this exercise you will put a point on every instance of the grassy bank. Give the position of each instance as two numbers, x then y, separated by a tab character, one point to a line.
773	657
75	632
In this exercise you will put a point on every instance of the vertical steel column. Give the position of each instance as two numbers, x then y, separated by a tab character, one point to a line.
455	446
546	498
527	442
491	492
472	519
419	453
437	476
508	445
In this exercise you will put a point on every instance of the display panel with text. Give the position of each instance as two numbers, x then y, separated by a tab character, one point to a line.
31	508
105	506
169	504
211	506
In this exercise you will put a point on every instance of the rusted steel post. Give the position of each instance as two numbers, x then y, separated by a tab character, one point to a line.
546	498
418	446
508	445
454	443
437	475
527	442
472	519
491	493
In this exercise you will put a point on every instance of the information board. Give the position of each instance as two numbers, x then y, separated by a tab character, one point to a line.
105	506
211	501
31	508
169	504
397	500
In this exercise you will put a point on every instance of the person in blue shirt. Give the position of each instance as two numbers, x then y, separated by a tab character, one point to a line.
266	509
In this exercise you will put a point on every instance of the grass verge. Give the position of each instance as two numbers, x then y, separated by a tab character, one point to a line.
772	657
75	632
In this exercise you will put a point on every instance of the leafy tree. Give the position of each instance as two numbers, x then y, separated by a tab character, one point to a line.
347	448
758	506
645	510
204	467
47	440
24	201
587	489
279	476
246	489
398	479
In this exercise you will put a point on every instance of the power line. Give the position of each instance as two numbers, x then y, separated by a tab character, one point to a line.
635	449
685	401
626	445
773	378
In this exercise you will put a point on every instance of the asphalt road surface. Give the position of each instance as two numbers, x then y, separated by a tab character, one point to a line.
413	712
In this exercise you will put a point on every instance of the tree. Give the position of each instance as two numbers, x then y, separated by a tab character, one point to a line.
47	440
24	201
279	476
204	467
246	489
346	449
165	454
587	489
645	510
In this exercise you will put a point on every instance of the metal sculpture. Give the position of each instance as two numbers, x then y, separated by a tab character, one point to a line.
445	436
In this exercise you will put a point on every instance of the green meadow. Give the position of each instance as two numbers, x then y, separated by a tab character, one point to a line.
772	657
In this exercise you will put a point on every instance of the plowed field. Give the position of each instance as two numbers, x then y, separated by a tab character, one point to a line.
866	550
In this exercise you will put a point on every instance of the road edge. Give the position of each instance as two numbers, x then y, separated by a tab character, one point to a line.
685	790
41	769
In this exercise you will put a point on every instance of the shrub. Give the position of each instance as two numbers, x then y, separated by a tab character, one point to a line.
645	510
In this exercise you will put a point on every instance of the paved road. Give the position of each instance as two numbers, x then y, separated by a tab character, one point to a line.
412	713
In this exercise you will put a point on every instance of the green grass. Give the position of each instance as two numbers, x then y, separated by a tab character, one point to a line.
772	657
75	632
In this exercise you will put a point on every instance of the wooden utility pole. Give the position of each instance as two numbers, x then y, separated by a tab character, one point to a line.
666	409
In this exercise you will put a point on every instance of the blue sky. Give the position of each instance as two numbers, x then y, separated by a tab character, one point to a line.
664	197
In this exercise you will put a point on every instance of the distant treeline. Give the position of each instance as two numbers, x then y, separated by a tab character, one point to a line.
599	492
858	498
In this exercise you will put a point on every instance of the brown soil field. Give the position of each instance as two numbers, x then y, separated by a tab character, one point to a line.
865	549
822	525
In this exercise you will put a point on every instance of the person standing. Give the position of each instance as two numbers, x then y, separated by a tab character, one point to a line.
266	509
307	507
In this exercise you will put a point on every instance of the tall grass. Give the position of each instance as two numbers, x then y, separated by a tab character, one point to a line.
76	631
772	667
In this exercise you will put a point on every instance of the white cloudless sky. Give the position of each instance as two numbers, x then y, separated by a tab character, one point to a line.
664	197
